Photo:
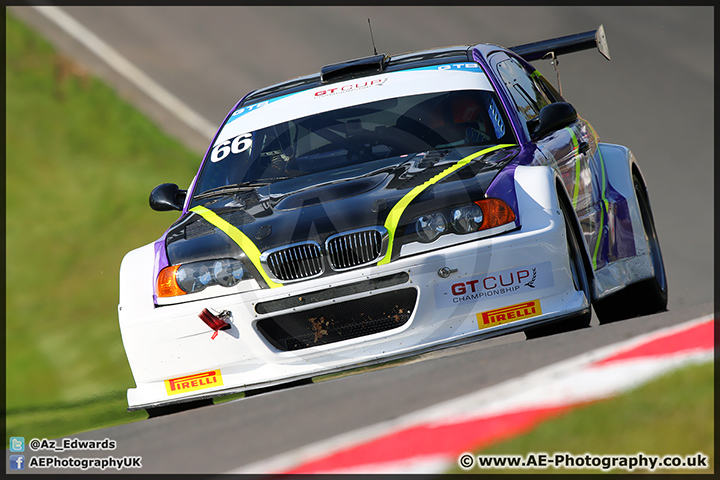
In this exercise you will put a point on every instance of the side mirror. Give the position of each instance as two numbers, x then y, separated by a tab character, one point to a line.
551	118
167	197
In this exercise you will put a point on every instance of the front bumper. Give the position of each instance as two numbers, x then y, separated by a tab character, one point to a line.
474	290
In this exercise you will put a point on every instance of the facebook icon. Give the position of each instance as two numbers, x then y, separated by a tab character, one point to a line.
17	462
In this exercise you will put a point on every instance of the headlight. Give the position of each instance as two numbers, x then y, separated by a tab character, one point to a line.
496	213
473	217
431	226
228	272
467	218
197	276
193	277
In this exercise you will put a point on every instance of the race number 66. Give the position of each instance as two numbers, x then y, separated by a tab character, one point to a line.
237	145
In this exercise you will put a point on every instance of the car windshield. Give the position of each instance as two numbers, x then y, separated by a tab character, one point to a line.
356	134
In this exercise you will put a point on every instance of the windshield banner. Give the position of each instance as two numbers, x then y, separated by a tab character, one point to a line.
436	78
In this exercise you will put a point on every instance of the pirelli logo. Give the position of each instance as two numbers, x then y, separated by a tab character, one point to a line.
199	381
509	314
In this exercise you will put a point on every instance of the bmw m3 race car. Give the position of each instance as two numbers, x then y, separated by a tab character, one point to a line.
384	207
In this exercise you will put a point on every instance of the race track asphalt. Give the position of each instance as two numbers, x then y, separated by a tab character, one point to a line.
656	96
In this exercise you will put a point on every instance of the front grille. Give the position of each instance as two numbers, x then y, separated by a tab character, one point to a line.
356	248
295	262
339	321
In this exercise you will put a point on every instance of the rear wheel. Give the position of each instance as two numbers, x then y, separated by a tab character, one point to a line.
645	297
580	280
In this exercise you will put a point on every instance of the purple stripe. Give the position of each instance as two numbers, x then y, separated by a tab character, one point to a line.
161	261
507	105
503	187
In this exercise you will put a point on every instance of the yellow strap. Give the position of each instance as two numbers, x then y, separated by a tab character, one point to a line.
576	147
238	237
393	217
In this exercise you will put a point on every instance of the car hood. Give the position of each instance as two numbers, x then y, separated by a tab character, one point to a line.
316	206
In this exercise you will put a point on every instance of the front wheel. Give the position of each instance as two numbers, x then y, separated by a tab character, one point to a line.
645	297
580	280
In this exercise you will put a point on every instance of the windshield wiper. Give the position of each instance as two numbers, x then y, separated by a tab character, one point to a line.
238	187
386	169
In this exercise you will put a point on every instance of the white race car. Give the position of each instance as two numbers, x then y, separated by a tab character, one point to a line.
384	207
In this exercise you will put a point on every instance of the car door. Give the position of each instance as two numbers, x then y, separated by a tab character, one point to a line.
571	150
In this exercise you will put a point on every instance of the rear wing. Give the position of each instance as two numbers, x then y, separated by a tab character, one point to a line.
568	44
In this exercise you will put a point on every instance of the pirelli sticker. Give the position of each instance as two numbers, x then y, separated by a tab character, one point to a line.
199	381
509	314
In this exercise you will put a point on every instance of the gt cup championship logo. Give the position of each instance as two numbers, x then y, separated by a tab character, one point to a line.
350	87
199	381
494	284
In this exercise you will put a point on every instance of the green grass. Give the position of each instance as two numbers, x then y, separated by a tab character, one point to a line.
671	415
80	164
64	418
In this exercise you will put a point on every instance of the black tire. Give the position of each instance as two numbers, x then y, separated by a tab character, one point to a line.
580	279
177	407
645	297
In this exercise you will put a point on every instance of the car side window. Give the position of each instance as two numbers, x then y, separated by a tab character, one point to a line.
528	98
548	89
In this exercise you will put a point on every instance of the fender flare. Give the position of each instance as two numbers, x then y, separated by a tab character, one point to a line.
540	191
620	166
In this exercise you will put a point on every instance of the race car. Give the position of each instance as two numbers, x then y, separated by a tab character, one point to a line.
384	207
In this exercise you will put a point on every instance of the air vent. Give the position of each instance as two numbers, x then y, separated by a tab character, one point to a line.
354	68
340	321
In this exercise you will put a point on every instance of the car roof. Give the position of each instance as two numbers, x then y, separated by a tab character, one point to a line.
384	63
361	67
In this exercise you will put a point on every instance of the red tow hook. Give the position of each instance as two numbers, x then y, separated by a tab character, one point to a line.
216	322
